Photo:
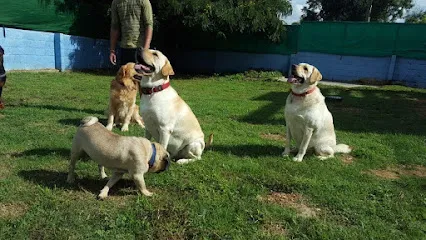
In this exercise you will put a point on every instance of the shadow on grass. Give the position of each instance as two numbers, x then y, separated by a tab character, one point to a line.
55	180
249	150
58	108
40	152
379	111
264	115
362	110
76	121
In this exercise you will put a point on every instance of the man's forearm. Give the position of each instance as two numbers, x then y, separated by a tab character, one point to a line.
148	37
114	34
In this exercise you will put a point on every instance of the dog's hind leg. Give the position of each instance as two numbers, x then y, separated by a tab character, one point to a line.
76	152
113	180
191	153
137	117
324	152
304	144
139	121
102	172
127	119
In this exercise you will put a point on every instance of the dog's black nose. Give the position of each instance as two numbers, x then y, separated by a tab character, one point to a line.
293	66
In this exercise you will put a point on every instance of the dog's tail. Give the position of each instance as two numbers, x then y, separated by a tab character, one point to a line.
342	148
209	142
88	121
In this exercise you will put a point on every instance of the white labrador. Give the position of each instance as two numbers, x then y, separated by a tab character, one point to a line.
308	120
166	116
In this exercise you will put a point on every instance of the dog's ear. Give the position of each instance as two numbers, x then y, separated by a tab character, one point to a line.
315	76
122	72
125	71
167	69
123	77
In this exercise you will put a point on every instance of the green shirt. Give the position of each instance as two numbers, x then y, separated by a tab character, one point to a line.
132	17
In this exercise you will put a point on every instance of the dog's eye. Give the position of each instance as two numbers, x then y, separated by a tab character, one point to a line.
155	54
305	68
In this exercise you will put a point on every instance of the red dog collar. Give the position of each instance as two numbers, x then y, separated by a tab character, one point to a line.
303	94
149	91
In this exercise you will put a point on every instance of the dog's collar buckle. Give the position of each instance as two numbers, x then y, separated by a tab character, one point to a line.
303	94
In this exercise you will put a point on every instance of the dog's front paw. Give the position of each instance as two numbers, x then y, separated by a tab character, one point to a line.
147	193
109	127
286	153
185	161
325	157
298	158
125	128
102	196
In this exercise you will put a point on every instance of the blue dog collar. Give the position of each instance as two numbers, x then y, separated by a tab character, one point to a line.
152	160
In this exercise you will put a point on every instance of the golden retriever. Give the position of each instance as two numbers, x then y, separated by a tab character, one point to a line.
122	99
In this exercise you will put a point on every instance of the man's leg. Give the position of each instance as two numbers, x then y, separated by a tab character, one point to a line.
2	82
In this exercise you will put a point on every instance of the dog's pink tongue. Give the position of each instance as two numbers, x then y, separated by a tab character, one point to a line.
141	67
291	79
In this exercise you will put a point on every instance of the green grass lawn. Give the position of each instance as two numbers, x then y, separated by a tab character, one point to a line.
241	189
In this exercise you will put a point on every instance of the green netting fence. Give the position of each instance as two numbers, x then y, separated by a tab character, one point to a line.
363	39
90	18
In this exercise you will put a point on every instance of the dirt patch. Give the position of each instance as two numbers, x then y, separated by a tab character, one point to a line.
292	200
395	172
347	159
273	136
274	229
12	210
384	174
5	169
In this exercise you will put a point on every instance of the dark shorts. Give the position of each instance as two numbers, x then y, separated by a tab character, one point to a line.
127	55
2	78
2	82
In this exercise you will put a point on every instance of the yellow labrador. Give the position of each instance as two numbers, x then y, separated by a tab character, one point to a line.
308	120
122	154
166	116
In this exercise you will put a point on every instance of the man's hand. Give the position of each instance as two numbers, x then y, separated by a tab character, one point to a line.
114	34
113	58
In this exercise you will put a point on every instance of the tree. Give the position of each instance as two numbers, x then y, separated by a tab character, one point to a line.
220	17
355	10
225	16
418	16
